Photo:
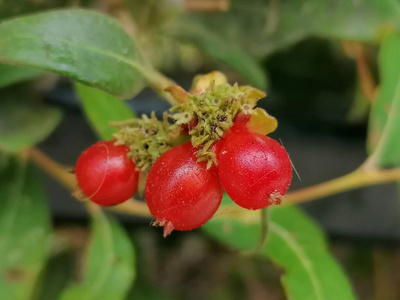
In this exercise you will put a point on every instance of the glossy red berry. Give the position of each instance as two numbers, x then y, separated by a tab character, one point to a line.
180	192
254	169
105	174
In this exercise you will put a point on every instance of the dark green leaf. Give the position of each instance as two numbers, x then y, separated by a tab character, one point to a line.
110	269
86	46
296	244
23	125
13	74
384	125
146	291
24	230
15	8
101	108
55	276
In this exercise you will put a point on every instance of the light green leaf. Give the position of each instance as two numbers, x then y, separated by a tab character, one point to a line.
111	265
12	74
101	108
86	46
23	125
24	230
384	124
219	47
296	244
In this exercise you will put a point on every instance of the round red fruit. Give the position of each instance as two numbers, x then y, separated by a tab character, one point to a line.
105	174
254	169
180	192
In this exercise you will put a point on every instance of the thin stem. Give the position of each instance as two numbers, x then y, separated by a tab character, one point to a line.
264	220
62	174
59	172
353	180
359	178
133	207
367	81
159	82
358	52
201	5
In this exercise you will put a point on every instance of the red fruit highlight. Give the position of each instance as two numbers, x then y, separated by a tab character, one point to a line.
180	192
105	174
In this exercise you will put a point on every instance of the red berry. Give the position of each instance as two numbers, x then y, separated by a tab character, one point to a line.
240	122
105	174
254	169
180	192
239	125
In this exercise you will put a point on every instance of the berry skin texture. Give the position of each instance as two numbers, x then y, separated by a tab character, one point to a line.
254	169
180	192
105	174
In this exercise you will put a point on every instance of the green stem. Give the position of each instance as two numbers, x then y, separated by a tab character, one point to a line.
264	221
356	179
159	82
353	180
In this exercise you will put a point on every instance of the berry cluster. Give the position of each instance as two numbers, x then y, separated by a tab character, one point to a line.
217	142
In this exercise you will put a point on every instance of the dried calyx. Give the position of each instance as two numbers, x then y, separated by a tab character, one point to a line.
210	113
147	138
203	116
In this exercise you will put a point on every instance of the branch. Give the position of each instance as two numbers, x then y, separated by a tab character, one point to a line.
356	179
59	172
367	81
353	180
359	178
67	179
159	83
358	52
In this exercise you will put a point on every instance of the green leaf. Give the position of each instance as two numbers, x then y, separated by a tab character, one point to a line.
86	46
14	8
56	275
267	26
384	124
12	74
101	108
222	49
363	20
24	230
144	290
22	124
296	244
110	269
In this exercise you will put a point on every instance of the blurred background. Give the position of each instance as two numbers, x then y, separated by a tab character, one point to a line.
317	60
